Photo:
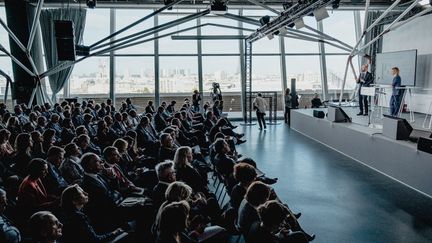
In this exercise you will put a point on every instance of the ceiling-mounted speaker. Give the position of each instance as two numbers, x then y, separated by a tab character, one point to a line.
299	23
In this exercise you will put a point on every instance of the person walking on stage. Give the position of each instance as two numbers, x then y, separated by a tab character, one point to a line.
396	98
260	105
364	80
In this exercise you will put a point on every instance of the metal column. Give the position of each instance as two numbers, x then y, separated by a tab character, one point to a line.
200	70
112	88
284	79
323	64
156	65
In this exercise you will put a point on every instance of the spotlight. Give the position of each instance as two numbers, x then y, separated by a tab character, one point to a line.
218	7
320	14
166	2
291	25
264	20
91	3
270	36
425	2
299	23
335	4
283	31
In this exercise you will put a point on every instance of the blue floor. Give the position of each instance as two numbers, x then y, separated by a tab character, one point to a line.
340	199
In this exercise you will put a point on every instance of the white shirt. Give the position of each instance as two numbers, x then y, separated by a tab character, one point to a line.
261	103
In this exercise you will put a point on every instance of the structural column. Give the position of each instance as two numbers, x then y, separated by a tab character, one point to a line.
112	90
200	69
323	64
156	65
284	80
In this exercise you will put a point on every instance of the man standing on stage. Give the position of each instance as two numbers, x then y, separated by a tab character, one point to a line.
364	80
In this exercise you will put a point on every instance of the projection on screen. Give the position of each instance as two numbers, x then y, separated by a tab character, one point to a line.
406	61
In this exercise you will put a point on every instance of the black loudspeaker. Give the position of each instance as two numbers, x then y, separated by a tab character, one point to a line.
396	128
65	40
336	114
318	114
425	144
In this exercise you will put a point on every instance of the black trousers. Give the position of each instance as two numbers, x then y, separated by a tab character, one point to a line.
363	102
261	121
287	115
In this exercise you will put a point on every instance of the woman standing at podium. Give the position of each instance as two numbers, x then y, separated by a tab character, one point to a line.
396	98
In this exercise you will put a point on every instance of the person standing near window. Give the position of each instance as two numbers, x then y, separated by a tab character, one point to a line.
288	105
260	105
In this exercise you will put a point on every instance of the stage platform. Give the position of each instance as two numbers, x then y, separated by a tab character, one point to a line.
399	160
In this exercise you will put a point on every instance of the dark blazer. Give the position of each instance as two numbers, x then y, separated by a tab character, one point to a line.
53	181
77	228
119	128
67	135
208	124
368	79
160	123
224	164
259	234
150	109
144	138
102	198
237	195
158	195
191	176
166	154
396	83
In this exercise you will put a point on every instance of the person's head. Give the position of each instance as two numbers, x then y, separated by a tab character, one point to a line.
150	103
144	122
32	116
128	101
183	156
249	161
55	118
395	71
4	135
108	119
121	145
272	214
257	193
316	96
49	136
165	171
259	95
3	201
88	118
55	156
174	218
45	227
196	91
23	142
244	173
176	122
72	149
12	121
166	140
37	169
221	146
118	116
83	141
364	67
73	197
111	155
173	103
81	130
91	163
178	191
36	137
28	127
41	121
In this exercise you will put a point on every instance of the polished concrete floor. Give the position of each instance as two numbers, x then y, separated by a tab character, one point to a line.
340	199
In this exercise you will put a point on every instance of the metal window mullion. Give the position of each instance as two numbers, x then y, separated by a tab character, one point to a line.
323	64
156	64
112	59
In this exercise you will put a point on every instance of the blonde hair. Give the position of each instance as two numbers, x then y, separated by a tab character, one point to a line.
178	191
180	157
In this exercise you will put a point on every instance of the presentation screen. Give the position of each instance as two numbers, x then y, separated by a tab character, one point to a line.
406	61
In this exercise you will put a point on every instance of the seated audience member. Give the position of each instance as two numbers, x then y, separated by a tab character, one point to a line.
77	226
167	150
22	155
159	119
173	223
116	174
166	175
13	127
6	149
244	174
186	172
84	143
171	107
316	101
37	148
54	124
257	194
224	163
49	139
271	227
46	228
147	140
54	181
71	168
118	126
221	126
150	107
68	131
32	195
41	124
8	232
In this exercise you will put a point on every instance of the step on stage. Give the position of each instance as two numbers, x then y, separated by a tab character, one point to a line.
397	159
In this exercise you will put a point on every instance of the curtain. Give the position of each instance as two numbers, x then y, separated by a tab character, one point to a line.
47	18
373	49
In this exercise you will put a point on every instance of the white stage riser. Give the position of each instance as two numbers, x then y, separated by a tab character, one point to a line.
399	160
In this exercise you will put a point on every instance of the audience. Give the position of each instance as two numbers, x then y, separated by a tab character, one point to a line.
102	172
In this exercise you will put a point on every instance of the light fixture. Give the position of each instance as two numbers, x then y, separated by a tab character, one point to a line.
283	30
320	14
264	20
91	3
425	2
167	2
299	23
270	36
218	7
286	5
335	4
